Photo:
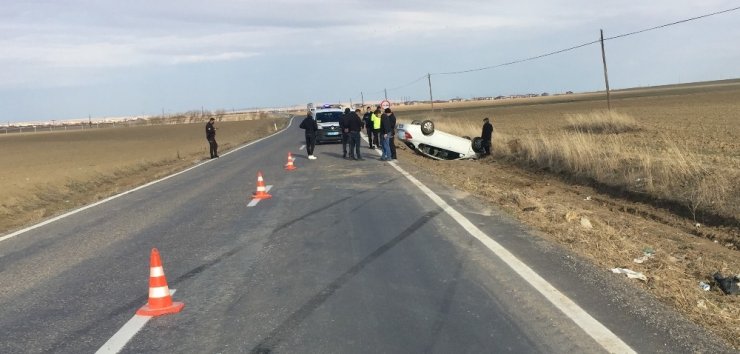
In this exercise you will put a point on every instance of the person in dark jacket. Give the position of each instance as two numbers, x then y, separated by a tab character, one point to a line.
211	137
369	126
392	140
345	131
486	135
354	125
386	130
310	125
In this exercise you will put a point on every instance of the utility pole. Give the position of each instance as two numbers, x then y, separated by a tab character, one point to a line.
362	96
386	94
606	76
431	98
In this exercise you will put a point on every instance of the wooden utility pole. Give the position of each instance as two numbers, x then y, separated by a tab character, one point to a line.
431	98
606	76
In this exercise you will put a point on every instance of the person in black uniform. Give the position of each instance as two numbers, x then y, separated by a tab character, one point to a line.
354	125
211	137
345	130
369	126
486	135
392	132
310	125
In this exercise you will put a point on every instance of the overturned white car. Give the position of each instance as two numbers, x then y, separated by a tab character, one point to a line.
425	140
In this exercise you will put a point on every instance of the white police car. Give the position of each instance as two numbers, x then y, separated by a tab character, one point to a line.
327	118
436	144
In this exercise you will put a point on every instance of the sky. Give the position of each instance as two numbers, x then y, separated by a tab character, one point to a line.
66	59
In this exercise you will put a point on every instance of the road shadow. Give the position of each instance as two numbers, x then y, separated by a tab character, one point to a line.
271	340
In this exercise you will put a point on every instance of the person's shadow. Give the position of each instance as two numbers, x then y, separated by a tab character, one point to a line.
332	154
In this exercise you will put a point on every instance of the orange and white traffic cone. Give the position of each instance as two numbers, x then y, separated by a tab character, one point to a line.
160	300
289	166
261	192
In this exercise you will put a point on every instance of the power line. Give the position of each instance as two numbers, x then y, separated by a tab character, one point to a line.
672	23
408	84
586	44
559	51
517	61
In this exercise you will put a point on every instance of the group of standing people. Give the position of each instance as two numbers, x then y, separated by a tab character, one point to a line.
351	126
381	131
380	128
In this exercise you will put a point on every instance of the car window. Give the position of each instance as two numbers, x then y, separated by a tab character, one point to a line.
326	117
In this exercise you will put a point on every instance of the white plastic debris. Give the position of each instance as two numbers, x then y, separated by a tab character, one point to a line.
588	198
585	223
647	253
641	259
704	286
630	273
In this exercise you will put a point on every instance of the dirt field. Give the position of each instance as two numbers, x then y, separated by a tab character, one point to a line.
46	173
702	120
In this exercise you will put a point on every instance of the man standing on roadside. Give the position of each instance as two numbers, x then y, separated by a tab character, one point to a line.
211	137
345	130
369	125
391	133
354	124
486	135
385	132
310	125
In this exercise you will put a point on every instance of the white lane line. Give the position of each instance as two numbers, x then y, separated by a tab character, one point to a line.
255	200
602	335
49	221
302	147
125	334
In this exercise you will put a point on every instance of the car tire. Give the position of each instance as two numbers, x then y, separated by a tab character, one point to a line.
477	145
427	127
416	122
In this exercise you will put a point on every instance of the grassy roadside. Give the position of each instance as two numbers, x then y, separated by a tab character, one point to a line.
54	172
591	149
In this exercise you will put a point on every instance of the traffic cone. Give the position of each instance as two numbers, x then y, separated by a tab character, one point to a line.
160	300
261	192
289	166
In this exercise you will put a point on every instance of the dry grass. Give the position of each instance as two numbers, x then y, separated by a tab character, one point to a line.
53	172
604	122
604	148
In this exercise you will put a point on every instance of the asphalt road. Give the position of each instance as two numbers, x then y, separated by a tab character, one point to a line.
348	256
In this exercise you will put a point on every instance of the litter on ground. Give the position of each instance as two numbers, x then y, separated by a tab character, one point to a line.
630	273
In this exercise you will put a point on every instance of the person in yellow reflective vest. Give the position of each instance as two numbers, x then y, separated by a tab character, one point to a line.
375	118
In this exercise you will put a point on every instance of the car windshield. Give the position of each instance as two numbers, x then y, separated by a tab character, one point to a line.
326	117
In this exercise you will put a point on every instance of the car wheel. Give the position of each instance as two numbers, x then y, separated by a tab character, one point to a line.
478	145
416	122
427	127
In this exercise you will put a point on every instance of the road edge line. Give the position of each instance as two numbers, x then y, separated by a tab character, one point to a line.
75	211
118	341
595	329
